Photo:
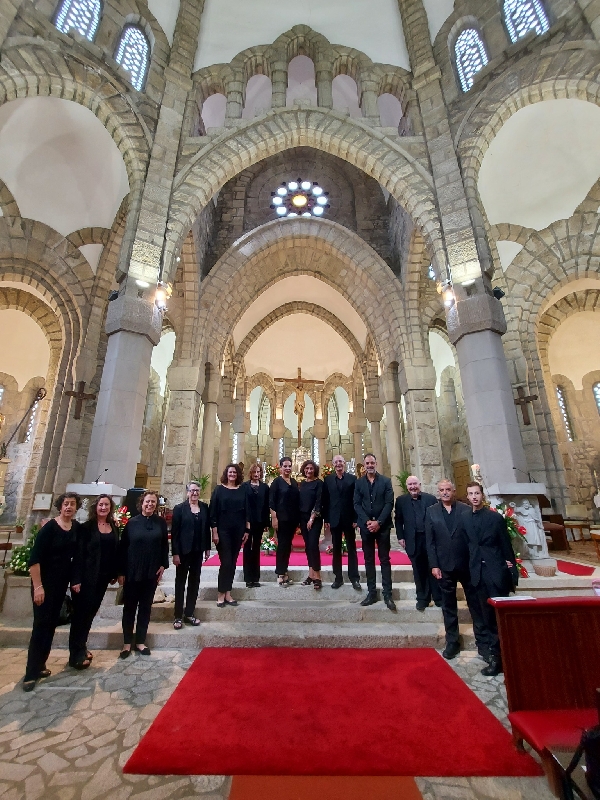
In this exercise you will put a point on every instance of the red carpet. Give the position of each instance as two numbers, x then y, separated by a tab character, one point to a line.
304	787
574	569
397	558
296	711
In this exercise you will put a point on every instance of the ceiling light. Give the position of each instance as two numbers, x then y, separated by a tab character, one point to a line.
142	284
299	200
322	201
277	201
282	191
305	185
292	186
282	211
317	190
317	211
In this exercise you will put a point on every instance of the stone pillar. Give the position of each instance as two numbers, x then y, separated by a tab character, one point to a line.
423	434
390	394
357	424
374	413
210	397
368	101
320	433
234	89
226	413
279	81
277	433
324	80
241	426
133	327
475	326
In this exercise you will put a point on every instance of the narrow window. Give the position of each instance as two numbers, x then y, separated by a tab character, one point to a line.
31	422
470	55
133	54
82	15
562	404
595	390
522	16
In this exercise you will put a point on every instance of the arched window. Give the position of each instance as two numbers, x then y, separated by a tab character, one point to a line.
596	391
1	393
522	16
133	54
83	15
562	404
470	56
31	423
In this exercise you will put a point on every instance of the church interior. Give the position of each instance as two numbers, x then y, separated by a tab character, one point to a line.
235	231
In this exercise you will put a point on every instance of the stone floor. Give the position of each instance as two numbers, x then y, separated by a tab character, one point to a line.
69	738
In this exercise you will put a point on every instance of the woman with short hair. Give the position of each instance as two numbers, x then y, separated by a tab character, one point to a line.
284	502
230	524
311	521
143	557
50	565
259	516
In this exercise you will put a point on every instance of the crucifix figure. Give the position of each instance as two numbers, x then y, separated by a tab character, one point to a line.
80	396
299	384
524	401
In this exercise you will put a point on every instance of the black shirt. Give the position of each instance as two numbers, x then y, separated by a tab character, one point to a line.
229	509
144	548
419	512
449	516
108	552
310	497
53	549
284	500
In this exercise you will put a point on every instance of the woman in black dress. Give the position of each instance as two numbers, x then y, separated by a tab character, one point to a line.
258	506
230	528
143	557
95	566
50	565
284	502
311	521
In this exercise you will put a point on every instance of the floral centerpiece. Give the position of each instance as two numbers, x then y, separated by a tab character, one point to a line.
19	561
121	517
271	471
325	470
267	544
515	531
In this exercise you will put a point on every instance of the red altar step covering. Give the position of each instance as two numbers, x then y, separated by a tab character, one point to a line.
397	559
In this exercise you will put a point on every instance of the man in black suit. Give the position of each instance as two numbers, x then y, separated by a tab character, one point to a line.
373	504
410	529
340	518
190	538
448	554
491	558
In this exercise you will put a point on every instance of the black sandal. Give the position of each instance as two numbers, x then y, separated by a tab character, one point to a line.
143	650
28	686
318	584
178	624
125	653
192	620
307	582
83	664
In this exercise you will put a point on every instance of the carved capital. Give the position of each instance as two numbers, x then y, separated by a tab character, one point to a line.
481	312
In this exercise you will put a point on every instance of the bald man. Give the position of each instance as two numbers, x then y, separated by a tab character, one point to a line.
410	530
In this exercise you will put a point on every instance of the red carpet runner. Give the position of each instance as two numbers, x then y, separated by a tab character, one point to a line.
295	711
397	558
570	568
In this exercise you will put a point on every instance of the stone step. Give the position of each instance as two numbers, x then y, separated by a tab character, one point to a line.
267	575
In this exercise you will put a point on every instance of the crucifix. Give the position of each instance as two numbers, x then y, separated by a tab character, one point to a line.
524	401
80	396
299	384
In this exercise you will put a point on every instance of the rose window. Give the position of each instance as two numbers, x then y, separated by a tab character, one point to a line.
300	199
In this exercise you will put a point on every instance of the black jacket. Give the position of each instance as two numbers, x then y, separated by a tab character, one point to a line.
380	509
338	500
143	548
86	563
284	500
405	520
447	549
182	529
489	541
259	514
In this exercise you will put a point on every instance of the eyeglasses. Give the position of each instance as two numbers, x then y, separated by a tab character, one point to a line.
194	491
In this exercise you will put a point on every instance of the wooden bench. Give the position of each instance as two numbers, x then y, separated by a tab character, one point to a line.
551	657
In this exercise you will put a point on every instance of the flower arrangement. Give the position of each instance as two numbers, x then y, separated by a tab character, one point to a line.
267	544
121	517
19	561
515	531
325	470
271	471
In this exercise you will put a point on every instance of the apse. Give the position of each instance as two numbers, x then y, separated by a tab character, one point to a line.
29	353
568	359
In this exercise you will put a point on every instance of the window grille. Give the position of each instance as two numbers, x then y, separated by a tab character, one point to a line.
31	423
133	54
595	390
522	16
82	15
470	55
562	404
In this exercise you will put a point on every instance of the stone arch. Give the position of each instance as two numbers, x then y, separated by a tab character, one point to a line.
549	321
336	256
8	204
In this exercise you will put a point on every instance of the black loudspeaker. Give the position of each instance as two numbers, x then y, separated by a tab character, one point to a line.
133	495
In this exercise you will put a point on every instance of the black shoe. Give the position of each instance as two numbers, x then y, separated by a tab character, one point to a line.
356	585
484	655
370	599
387	599
337	583
451	651
256	585
493	668
249	584
420	607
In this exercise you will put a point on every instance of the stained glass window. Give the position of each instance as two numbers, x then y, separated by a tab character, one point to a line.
562	404
596	391
299	198
133	54
470	55
82	15
31	422
522	16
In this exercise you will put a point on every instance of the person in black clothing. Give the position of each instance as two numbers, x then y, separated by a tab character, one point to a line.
95	566
229	520
340	518
373	504
190	540
50	565
284	502
311	521
491	558
260	519
448	554
410	529
143	557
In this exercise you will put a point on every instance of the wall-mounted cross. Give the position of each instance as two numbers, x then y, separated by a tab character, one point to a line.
523	401
80	396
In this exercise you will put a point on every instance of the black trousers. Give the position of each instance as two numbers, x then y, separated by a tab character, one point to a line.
230	543
311	541
382	538
487	588
137	596
85	608
426	585
252	554
349	531
285	534
45	620
448	584
188	570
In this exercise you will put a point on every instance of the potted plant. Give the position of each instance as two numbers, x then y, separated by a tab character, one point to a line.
203	482
16	594
19	525
401	477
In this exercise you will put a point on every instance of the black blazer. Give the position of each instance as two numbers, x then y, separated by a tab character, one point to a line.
86	563
383	502
258	505
284	500
405	520
338	500
182	529
446	549
489	541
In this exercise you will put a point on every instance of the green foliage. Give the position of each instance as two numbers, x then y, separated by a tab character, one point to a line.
401	478
19	560
202	481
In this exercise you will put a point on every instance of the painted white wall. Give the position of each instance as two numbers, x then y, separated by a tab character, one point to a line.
390	114
291	420
507	251
258	96
26	352
230	26
213	111
442	356
343	404
438	12
61	164
255	396
345	95
301	81
162	355
542	163
165	12
574	349
92	253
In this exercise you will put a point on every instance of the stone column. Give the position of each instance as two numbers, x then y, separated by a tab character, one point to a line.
357	424
234	89
368	101
279	81
390	394
241	426
423	434
374	413
320	433
133	327
210	397
324	80
277	433
226	413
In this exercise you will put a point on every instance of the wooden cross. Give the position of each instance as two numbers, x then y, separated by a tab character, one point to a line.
299	383
80	396
524	401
